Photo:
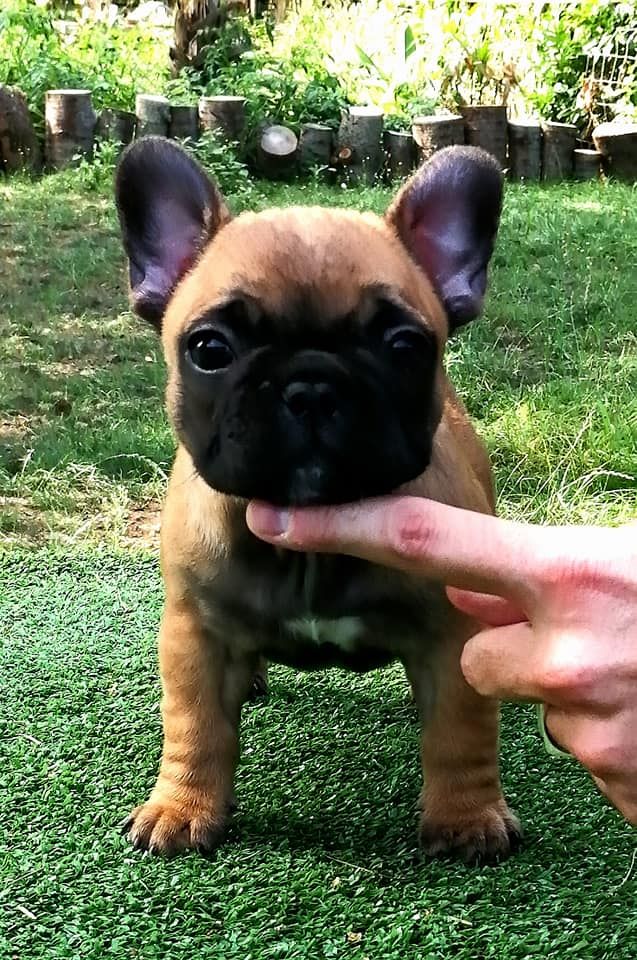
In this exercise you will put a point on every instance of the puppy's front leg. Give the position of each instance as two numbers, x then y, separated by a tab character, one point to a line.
463	811
203	691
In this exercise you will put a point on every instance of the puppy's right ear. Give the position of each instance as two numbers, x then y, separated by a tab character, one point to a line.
168	210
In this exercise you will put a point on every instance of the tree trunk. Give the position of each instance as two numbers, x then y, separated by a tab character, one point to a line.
184	123
223	115
361	132
19	148
486	127
617	143
117	126
435	133
586	164
400	150
277	152
70	126
557	150
315	145
153	115
525	150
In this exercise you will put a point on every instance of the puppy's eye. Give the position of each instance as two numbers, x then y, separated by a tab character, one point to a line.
403	340
208	351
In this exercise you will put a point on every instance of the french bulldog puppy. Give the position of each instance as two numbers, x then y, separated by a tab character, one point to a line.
305	366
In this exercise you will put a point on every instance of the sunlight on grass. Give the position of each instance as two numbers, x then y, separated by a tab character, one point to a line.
548	374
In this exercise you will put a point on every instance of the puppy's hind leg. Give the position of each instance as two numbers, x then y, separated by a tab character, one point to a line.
463	811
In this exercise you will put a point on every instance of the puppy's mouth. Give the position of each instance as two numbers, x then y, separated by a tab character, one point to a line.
314	483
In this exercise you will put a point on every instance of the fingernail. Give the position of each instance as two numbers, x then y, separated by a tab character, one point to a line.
267	521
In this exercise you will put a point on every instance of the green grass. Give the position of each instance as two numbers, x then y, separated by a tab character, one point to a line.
549	373
322	860
323	847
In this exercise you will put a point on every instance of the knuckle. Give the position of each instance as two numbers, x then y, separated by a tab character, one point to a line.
566	675
604	759
409	532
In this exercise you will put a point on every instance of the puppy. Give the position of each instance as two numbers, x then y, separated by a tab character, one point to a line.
305	366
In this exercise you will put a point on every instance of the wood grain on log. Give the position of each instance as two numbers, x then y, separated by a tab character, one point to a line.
361	131
400	149
70	126
223	115
435	133
558	143
184	123
617	143
277	152
586	164
525	150
486	127
153	115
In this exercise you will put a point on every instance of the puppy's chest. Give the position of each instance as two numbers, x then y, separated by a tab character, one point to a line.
312	611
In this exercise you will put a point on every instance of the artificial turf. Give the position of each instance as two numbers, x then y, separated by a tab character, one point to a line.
321	860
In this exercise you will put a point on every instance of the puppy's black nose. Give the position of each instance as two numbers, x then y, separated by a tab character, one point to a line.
308	399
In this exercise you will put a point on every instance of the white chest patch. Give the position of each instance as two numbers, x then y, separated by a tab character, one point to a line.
343	632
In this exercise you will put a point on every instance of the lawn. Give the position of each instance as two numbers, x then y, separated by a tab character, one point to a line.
322	860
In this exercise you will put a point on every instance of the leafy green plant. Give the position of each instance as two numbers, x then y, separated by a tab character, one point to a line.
39	52
221	160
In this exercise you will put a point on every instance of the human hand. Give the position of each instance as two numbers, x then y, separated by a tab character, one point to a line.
559	605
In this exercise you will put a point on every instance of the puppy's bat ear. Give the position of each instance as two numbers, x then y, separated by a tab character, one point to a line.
447	216
168	209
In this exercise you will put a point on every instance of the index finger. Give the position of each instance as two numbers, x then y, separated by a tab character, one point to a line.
457	547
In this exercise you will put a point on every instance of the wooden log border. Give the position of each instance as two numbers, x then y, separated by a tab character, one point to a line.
552	146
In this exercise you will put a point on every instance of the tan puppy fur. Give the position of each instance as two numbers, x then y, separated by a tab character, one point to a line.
227	604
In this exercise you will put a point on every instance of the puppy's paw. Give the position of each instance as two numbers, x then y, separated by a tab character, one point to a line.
165	826
488	835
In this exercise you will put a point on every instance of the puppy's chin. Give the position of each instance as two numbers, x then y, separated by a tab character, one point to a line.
313	484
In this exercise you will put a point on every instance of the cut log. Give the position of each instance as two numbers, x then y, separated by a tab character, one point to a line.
153	115
19	148
486	127
315	145
586	164
184	123
223	115
525	150
277	152
70	126
400	150
558	143
617	143
116	125
435	133
361	131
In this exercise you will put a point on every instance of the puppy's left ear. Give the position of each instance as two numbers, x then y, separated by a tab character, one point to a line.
168	210
447	216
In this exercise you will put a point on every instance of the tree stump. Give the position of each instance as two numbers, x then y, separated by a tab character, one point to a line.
277	152
184	123
400	150
586	164
153	115
486	127
558	144
617	143
117	126
361	132
434	133
19	148
70	126
525	150
315	145
223	115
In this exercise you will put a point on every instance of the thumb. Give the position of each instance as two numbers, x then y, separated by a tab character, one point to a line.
490	610
504	663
